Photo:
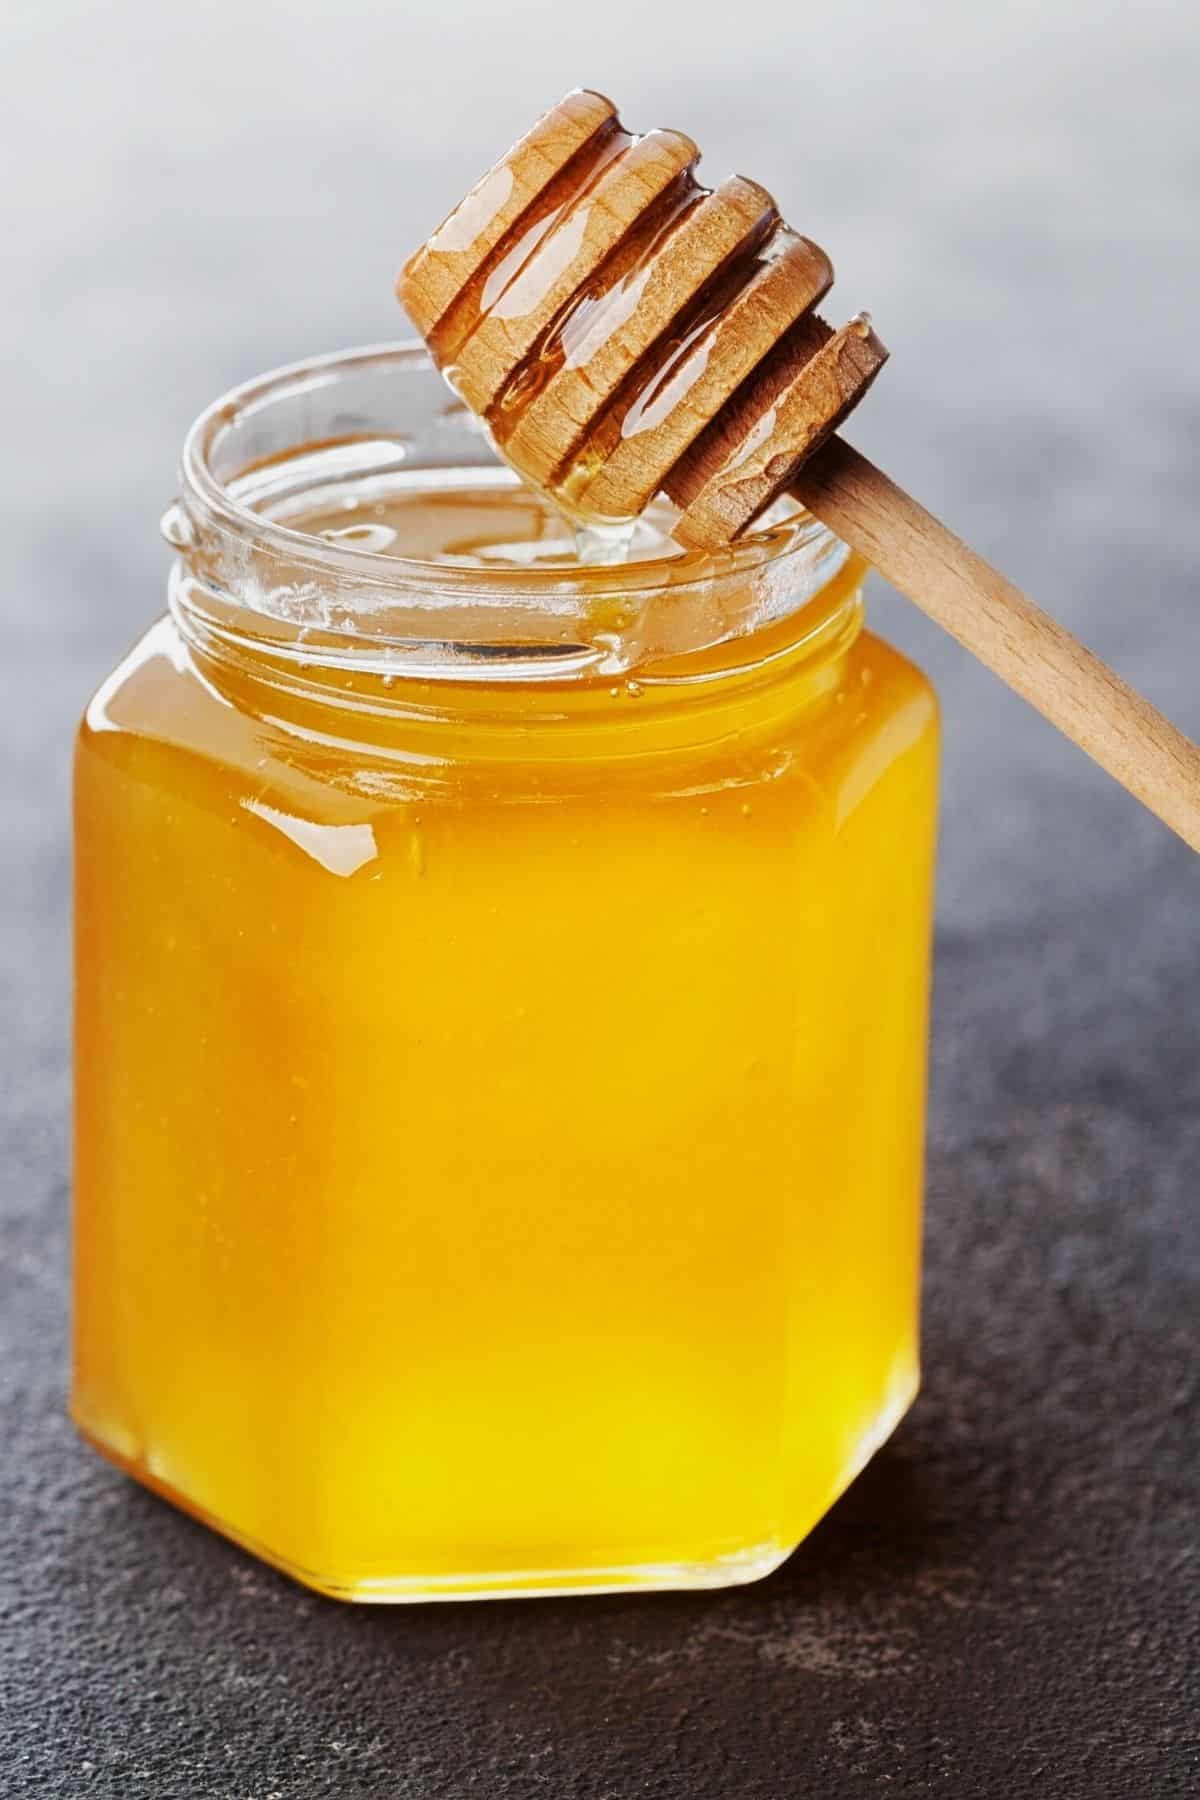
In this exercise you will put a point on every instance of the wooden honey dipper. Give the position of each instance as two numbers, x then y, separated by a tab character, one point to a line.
623	331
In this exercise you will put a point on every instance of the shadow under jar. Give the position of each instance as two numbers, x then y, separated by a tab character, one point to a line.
501	1020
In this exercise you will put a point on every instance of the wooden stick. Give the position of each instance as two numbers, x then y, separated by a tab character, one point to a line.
623	330
1000	625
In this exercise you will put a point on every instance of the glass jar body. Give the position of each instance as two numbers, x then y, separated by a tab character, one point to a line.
500	1106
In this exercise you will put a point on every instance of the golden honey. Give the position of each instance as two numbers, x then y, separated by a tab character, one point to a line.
501	1023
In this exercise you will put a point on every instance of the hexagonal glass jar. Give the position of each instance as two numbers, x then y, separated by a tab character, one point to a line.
501	1019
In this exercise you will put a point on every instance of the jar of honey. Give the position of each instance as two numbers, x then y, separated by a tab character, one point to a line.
501	1019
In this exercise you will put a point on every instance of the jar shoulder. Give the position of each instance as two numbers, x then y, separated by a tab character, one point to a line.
159	722
159	718
899	680
154	692
883	707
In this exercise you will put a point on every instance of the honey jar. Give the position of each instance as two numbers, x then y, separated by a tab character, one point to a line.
502	982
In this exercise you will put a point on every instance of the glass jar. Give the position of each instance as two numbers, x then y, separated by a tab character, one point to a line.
501	1020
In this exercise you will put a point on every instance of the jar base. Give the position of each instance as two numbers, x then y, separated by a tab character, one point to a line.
735	1568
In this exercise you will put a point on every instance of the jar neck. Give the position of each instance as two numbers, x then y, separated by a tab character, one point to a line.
700	697
309	626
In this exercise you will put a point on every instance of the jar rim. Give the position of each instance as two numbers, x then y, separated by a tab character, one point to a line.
214	524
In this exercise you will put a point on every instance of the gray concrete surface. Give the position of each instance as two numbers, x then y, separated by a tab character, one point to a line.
1005	1604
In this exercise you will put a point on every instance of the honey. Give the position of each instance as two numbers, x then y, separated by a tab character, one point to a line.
501	1015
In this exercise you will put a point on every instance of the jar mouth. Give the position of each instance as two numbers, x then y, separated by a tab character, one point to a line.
380	419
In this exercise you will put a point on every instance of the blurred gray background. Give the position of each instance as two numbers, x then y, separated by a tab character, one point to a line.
193	194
